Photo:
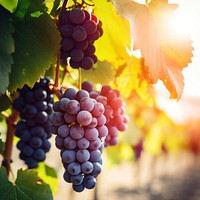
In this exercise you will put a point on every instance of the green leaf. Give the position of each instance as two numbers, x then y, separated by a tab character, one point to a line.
48	175
36	47
30	8
26	187
5	102
2	145
103	73
7	190
22	8
9	5
7	48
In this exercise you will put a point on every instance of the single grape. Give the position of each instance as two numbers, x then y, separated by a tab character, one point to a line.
66	30
87	63
82	155
74	168
69	143
87	167
39	154
86	85
63	130
76	55
84	118
87	104
83	143
76	16
78	188
77	179
76	132
91	134
89	181
79	33
67	44
95	155
68	156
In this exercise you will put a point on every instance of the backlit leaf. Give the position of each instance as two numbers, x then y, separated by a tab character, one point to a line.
165	53
116	37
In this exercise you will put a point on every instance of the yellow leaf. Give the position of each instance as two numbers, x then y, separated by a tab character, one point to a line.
127	79
116	38
165	54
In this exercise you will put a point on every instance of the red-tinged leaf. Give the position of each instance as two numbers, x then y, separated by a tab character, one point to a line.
165	53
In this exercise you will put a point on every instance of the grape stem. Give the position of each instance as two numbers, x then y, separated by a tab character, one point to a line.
11	123
79	78
64	5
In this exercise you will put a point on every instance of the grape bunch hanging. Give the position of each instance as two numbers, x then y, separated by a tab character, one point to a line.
34	105
79	30
116	118
78	123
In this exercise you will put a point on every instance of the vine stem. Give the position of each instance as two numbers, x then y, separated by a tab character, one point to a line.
11	122
79	78
64	5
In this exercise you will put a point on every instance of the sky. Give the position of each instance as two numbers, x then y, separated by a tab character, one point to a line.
188	107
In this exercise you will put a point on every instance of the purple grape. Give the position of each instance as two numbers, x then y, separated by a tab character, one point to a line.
66	30
82	155
56	119
74	168
69	143
87	104
87	63
67	44
86	85
83	143
90	26
98	109
78	188
79	33
77	179
87	167
76	16
73	107
89	181
91	134
63	130
76	55
84	118
95	155
68	156
76	132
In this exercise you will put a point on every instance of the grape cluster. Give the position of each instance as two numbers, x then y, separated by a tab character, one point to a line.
79	30
35	105
79	125
116	118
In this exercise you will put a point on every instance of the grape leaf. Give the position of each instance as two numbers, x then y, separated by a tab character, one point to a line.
26	187
27	8
5	102
9	5
127	79
103	73
36	48
165	53
7	47
2	146
48	175
116	37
